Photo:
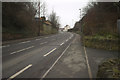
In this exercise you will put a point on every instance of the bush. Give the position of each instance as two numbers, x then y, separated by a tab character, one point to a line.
109	69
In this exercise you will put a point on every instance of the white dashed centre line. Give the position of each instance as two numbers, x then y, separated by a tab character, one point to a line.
53	39
43	43
22	50
55	63
50	52
25	42
61	44
13	76
38	39
4	46
46	37
66	40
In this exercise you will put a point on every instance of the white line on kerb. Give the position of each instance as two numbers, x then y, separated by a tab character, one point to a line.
89	69
50	52
54	63
13	76
21	50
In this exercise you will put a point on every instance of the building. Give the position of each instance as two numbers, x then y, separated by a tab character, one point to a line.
66	28
61	29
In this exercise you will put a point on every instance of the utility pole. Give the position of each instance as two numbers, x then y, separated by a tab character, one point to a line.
118	21
39	18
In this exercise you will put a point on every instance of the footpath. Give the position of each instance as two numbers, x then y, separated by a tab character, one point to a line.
73	63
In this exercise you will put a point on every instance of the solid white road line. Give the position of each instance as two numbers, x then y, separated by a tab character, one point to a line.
43	43
50	52
13	76
88	66
61	44
22	50
54	63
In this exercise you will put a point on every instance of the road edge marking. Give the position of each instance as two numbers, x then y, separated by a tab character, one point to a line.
55	62
50	52
16	74
88	66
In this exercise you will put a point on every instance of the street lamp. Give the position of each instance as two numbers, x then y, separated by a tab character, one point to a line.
80	13
80	22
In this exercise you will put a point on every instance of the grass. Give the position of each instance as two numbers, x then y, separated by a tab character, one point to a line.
109	69
107	42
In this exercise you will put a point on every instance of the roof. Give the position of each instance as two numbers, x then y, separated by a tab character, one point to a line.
48	23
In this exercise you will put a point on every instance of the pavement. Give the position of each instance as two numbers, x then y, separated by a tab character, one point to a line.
55	56
72	64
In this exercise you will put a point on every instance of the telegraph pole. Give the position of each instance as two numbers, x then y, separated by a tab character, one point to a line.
39	18
118	21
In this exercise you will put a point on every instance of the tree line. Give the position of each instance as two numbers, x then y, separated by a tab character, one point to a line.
18	19
99	18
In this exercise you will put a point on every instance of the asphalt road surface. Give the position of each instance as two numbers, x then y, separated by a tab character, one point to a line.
56	56
32	59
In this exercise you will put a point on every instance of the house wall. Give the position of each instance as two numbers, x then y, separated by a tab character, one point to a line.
47	29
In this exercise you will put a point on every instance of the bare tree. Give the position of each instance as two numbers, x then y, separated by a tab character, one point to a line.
54	19
41	8
44	9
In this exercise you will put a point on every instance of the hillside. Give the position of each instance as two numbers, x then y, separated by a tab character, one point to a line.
99	26
18	19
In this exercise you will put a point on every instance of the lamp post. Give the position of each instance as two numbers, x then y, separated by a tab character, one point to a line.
81	21
39	21
80	13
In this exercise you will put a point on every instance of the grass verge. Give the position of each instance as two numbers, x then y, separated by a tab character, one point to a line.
102	42
109	69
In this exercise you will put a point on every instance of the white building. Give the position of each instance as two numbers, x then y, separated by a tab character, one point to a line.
66	28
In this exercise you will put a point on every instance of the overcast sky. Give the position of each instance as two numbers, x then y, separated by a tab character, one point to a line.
67	10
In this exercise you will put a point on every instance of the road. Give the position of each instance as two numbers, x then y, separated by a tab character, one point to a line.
32	59
56	56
